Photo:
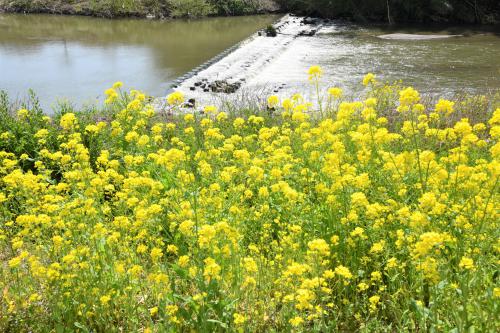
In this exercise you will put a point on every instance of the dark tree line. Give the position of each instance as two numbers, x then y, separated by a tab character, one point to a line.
392	11
460	11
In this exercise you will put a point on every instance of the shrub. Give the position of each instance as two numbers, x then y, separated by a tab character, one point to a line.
271	31
376	214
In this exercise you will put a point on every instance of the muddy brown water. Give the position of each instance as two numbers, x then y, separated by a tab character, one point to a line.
79	57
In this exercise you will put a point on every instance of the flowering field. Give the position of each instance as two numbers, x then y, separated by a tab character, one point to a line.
374	215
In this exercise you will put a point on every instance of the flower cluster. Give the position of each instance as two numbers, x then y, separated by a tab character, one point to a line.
287	220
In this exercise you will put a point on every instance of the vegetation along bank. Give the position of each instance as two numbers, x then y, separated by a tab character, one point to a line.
141	8
370	214
391	11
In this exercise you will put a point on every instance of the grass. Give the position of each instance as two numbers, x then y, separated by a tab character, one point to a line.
375	214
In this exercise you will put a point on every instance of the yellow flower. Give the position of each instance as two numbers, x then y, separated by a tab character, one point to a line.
134	105
183	261
22	113
391	263
427	201
377	247
369	78
91	129
175	98
319	246
68	121
172	309
358	232
221	116
105	299
238	122
212	270
186	227
268	213
343	271
335	92
444	106
189	118
15	262
117	85
171	248
141	248
374	300
428	241
296	321
429	267
359	199
467	263
371	102
315	72
376	276
362	286
42	133
249	282
112	96
156	254
239	319
408	96
110	92
143	140
299	116
287	104
210	109
273	101
250	265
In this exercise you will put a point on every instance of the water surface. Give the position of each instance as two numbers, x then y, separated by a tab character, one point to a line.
346	52
79	57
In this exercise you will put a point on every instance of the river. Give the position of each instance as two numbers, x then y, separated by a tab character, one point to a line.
79	57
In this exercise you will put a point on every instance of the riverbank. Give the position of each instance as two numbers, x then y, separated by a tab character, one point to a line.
404	12
159	9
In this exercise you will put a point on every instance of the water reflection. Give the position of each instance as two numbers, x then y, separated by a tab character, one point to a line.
78	57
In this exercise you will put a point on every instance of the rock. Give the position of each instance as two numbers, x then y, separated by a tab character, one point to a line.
192	88
223	86
197	84
307	33
310	20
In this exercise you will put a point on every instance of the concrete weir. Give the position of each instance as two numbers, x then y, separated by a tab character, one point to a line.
234	68
261	66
